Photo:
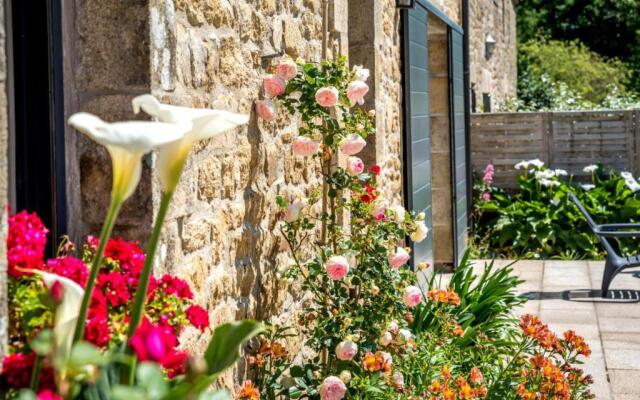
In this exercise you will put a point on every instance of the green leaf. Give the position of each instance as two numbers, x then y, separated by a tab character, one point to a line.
84	353
42	344
152	379
224	349
282	203
219	395
121	392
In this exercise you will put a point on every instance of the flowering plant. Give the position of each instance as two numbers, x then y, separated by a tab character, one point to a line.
538	220
102	326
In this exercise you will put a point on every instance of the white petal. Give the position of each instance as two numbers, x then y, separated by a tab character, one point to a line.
67	311
135	136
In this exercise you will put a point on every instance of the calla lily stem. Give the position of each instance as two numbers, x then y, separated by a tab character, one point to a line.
35	374
143	282
112	215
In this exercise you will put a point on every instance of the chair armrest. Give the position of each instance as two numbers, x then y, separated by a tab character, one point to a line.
615	234
612	227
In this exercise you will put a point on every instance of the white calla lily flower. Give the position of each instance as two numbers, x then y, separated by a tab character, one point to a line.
127	142
205	124
66	314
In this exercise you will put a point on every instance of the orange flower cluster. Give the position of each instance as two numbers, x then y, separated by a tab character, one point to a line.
446	388
380	361
248	391
543	379
268	348
540	332
444	296
576	342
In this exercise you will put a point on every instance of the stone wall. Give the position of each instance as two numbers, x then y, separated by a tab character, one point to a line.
4	187
495	76
451	8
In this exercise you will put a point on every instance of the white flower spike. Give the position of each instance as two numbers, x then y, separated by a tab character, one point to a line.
127	142
204	123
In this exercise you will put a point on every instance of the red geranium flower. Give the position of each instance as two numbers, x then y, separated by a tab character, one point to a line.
26	240
375	169
69	267
198	317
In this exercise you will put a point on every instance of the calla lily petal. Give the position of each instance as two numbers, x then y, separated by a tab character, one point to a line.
127	142
66	314
133	136
204	123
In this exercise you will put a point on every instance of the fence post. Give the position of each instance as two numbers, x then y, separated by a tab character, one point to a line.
546	130
635	129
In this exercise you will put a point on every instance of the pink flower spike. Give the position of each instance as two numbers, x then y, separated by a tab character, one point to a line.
273	85
266	109
327	96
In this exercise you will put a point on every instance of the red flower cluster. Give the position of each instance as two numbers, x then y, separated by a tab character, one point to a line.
369	194
576	342
170	300
158	343
26	240
17	369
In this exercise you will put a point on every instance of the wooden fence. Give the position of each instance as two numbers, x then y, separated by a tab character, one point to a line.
566	140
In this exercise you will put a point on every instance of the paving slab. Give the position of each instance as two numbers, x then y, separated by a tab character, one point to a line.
624	382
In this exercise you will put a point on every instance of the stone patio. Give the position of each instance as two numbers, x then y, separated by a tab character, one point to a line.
563	294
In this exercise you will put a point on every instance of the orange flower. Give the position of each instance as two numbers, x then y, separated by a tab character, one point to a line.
453	298
475	376
466	392
379	361
446	373
448	394
248	392
435	386
458	331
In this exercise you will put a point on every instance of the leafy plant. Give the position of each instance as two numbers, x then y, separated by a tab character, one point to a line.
538	220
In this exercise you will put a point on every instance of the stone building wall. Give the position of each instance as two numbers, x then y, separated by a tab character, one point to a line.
496	76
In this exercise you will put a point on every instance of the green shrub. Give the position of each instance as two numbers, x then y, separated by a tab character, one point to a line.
539	220
566	75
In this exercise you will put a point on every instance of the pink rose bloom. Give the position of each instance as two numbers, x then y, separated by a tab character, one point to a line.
266	109
287	70
273	85
360	73
332	388
356	92
398	380
346	350
386	358
486	196
327	96
412	296
399	259
294	209
393	327
337	267
352	144
385	339
304	146
355	166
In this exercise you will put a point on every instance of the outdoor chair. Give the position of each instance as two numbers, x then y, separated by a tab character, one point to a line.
614	262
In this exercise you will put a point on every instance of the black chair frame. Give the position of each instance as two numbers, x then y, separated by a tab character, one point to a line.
614	263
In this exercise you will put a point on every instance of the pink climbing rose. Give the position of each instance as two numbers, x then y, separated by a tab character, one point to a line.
346	350
399	258
356	92
304	146
287	69
273	85
352	144
332	388
327	96
337	267
266	109
412	296
355	166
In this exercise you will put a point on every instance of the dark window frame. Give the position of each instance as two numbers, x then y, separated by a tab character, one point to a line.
36	113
